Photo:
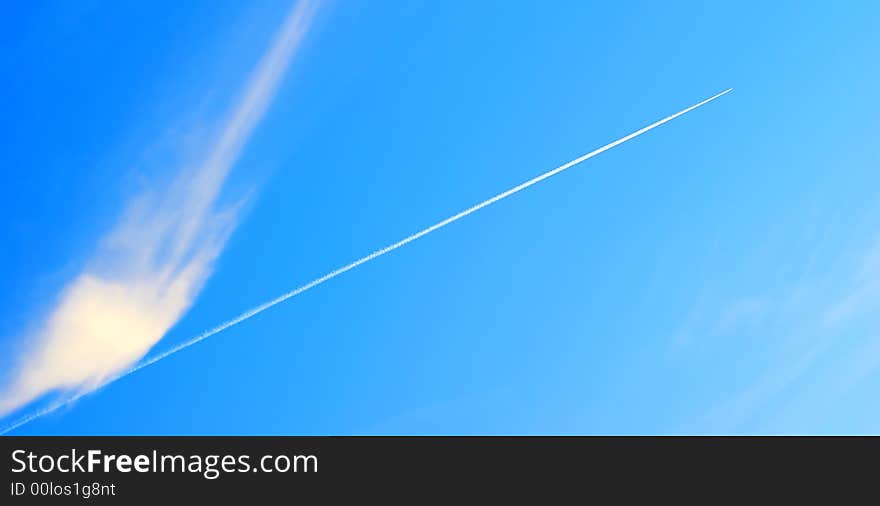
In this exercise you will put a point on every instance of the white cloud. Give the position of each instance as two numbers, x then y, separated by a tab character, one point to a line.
818	341
149	268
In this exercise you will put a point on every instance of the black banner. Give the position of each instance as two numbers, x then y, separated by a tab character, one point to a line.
56	470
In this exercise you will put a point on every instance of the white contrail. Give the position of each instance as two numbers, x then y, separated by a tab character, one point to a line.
372	256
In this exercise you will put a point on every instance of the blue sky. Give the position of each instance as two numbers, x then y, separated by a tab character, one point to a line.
720	274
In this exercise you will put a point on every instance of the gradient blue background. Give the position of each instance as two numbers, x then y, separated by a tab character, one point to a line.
680	283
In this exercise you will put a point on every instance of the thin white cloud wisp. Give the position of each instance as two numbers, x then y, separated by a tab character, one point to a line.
357	263
149	268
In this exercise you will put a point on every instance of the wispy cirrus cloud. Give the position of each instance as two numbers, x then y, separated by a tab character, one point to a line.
811	343
147	271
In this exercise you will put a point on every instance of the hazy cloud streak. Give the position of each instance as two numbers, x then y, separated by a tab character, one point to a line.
149	268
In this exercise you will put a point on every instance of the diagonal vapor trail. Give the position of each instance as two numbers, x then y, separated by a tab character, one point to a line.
372	256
